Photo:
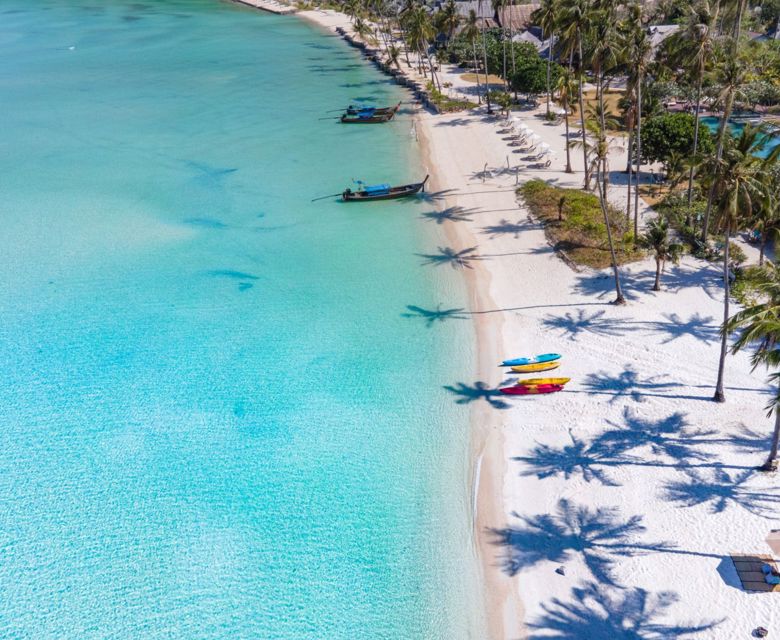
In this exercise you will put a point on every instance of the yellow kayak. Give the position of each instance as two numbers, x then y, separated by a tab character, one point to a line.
530	368
535	382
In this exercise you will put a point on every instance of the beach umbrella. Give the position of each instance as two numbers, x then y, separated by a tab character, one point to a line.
773	540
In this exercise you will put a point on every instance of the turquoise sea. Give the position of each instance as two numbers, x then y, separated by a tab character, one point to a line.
219	418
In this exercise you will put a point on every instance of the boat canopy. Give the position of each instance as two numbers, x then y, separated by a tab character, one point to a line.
377	189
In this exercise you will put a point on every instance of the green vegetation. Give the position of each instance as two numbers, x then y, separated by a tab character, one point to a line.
671	134
574	224
446	104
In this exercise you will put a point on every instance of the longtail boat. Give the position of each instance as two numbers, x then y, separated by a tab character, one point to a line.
355	109
367	117
383	192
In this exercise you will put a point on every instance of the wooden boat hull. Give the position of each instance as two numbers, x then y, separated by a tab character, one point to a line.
353	111
393	193
544	357
375	119
535	382
533	368
531	391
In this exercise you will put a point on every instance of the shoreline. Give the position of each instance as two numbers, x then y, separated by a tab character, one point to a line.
502	608
642	374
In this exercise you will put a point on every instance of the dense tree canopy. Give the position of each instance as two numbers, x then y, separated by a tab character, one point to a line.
672	133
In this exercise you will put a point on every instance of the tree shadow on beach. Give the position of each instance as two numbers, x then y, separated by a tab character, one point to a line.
505	228
435	196
599	537
595	612
573	324
601	284
629	384
720	489
450	214
447	255
478	391
432	316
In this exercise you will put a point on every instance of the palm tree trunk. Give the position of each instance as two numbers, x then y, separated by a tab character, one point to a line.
720	395
549	68
718	156
506	80
630	171
603	125
771	461
476	69
568	149
582	113
695	137
619	299
657	285
487	82
638	155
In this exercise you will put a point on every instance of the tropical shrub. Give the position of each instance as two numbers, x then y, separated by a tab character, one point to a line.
672	133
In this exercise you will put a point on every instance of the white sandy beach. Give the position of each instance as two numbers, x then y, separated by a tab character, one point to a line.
632	480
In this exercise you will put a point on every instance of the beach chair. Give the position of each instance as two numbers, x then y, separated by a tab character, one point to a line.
754	570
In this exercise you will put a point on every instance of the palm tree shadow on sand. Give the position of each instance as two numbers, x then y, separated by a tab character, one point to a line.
720	489
432	316
596	612
447	255
600	538
450	214
478	391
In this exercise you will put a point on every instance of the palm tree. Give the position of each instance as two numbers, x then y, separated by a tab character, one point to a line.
420	32
484	54
761	326
448	19
737	184
604	57
576	15
694	46
656	239
565	88
601	164
546	16
637	51
732	78
471	33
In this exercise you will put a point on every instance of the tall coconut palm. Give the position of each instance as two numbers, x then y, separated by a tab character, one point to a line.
760	325
694	47
576	16
732	78
565	90
471	33
449	19
737	185
546	16
484	55
637	52
420	32
600	161
604	58
656	239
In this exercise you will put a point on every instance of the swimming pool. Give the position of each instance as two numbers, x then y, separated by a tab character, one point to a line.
736	127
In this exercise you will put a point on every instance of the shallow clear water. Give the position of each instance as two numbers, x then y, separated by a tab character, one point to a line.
216	420
735	128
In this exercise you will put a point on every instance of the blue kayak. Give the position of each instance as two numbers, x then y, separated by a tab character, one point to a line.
544	357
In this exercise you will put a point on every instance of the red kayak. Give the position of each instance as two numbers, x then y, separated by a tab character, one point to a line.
529	391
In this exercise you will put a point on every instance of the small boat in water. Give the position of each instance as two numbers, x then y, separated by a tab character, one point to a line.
531	391
544	357
533	368
369	116
355	109
383	192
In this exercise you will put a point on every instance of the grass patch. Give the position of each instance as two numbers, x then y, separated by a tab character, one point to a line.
611	102
445	104
474	78
581	233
